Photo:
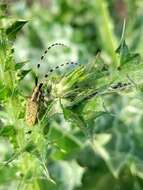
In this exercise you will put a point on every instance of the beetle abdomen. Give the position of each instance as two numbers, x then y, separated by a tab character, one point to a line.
31	112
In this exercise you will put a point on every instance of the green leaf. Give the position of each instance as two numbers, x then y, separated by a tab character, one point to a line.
30	147
20	64
74	118
103	138
125	54
12	30
73	172
23	73
65	146
123	51
7	131
7	174
136	167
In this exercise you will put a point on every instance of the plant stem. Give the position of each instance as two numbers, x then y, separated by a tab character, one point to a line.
106	32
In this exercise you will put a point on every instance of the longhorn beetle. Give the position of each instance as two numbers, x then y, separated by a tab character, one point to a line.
34	101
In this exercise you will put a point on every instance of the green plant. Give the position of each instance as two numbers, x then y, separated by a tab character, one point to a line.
89	135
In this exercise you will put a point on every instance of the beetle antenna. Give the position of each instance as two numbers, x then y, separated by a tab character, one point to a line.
59	66
46	51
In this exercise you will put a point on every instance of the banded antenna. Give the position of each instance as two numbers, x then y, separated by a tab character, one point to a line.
59	66
43	56
46	51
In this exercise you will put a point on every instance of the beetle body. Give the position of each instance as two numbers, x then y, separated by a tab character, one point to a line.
33	105
34	102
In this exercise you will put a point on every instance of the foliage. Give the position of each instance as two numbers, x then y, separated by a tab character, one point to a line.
89	132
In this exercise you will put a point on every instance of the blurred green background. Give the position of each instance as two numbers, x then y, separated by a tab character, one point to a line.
116	161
